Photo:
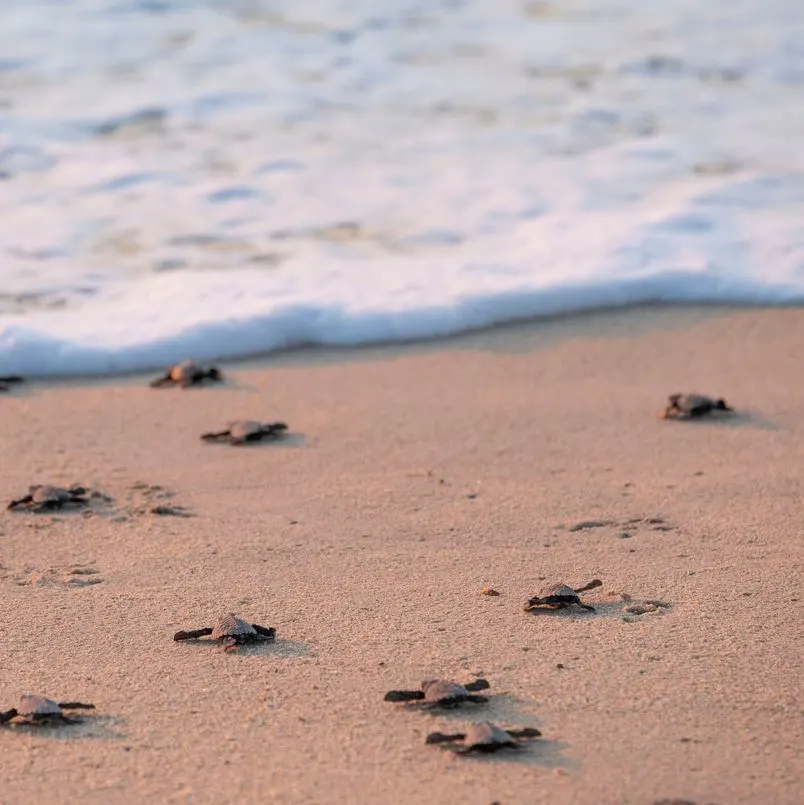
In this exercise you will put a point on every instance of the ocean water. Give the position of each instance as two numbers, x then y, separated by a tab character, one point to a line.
215	179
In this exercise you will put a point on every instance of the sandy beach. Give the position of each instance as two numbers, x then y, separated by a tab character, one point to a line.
413	476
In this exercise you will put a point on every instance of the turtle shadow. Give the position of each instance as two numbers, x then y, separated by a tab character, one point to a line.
750	419
292	439
542	752
500	708
91	728
288	440
288	649
277	648
737	419
228	383
608	609
611	609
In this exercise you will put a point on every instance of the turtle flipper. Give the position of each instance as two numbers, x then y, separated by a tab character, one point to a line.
7	716
478	684
403	696
161	382
271	431
477	699
591	586
537	603
76	706
220	436
193	634
23	501
525	733
443	738
266	633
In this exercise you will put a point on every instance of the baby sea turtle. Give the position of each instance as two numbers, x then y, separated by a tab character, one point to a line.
691	406
7	380
44	497
441	693
232	632
43	712
246	430
483	737
561	596
185	374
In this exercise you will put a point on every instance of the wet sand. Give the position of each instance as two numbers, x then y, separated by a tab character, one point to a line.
413	477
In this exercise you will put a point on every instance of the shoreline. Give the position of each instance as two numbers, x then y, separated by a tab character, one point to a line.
671	315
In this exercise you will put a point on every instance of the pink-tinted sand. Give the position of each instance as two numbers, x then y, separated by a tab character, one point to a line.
413	477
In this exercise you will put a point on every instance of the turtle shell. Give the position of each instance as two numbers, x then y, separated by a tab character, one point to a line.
183	372
231	626
436	690
558	592
695	400
692	402
45	493
241	429
484	733
32	705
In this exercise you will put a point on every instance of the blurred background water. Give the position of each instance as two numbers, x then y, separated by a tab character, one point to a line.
212	179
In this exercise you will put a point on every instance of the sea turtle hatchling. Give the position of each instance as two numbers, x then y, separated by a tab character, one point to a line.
7	380
483	736
561	596
440	693
232	632
44	497
692	406
246	430
39	711
185	374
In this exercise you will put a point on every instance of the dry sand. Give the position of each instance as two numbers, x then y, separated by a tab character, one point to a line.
416	475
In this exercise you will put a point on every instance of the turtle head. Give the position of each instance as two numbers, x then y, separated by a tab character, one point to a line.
720	404
214	374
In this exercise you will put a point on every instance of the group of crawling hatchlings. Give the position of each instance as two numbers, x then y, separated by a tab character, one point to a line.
232	632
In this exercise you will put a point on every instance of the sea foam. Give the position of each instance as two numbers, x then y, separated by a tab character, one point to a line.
219	180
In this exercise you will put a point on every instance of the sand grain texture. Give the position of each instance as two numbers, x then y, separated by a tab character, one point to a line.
416	476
